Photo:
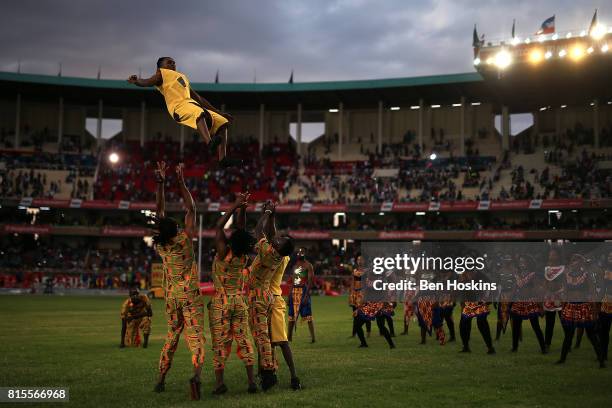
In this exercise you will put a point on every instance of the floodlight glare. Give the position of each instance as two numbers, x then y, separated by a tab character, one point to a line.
515	41
503	59
433	156
548	55
604	48
477	61
113	157
598	32
562	53
590	50
535	56
577	52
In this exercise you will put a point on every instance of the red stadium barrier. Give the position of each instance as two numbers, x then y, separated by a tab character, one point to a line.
443	206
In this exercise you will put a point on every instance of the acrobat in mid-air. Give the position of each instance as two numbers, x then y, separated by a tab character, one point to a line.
188	108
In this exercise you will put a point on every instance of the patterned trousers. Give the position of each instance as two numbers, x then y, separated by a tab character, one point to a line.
133	328
260	307
186	313
228	316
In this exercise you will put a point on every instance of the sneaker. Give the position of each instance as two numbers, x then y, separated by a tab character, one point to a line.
295	384
268	380
159	387
222	390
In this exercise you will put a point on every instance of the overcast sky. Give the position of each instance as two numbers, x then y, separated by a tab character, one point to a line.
320	40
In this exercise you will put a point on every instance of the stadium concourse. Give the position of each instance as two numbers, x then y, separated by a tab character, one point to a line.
399	159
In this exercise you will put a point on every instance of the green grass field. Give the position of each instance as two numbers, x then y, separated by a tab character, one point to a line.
73	342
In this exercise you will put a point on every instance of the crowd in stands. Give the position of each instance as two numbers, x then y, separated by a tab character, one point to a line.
31	183
278	173
26	261
133	178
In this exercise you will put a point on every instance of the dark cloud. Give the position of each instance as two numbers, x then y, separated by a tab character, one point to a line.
320	40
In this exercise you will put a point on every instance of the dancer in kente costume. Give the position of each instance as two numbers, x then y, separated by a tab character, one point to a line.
605	311
553	287
474	308
527	308
369	311
446	302
357	293
270	252
228	311
184	305
429	314
507	280
278	327
578	284
409	301
300	305
136	316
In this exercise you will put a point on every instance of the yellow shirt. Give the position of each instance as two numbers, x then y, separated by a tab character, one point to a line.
264	265
174	88
277	278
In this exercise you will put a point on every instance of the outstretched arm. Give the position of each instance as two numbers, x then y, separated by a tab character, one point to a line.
269	223
259	228
155	80
187	202
160	179
220	238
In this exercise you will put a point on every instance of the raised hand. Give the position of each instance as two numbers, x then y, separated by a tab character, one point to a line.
160	172
242	200
132	79
179	171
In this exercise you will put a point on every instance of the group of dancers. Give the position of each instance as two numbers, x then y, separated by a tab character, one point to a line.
247	272
562	282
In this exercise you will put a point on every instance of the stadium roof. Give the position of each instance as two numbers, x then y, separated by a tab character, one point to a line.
313	95
252	87
522	88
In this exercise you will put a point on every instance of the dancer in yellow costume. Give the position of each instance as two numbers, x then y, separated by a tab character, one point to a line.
184	304
278	334
136	316
190	109
270	252
228	310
